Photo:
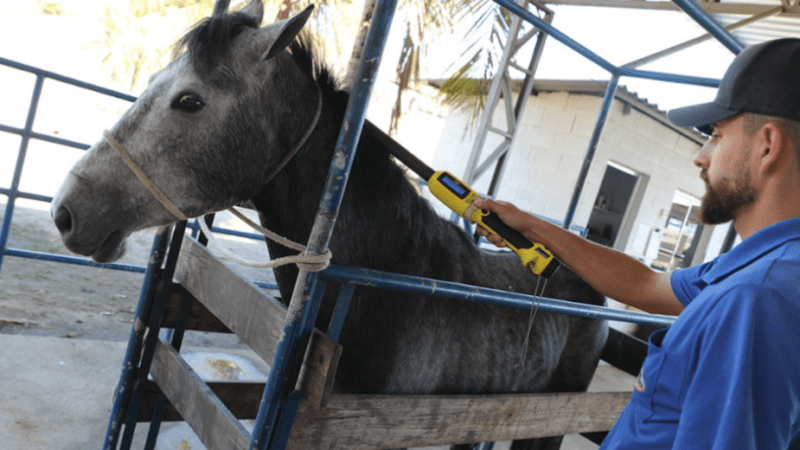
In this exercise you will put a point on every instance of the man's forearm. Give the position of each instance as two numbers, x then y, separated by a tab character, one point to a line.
613	273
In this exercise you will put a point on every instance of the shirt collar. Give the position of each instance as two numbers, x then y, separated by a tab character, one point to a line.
753	248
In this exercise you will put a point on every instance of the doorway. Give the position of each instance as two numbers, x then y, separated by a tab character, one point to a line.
611	204
683	225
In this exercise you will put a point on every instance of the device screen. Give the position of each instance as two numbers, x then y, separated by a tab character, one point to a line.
454	185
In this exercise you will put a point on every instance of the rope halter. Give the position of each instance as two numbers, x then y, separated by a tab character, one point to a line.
308	263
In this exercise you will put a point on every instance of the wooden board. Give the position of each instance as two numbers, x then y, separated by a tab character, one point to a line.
241	398
204	412
254	316
318	370
358	421
200	318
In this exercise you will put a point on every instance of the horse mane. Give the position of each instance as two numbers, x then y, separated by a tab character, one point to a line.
209	40
303	51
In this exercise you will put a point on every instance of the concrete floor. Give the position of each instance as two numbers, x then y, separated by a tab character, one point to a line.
55	393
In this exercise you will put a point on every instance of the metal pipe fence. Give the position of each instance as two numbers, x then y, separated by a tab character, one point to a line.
27	134
307	292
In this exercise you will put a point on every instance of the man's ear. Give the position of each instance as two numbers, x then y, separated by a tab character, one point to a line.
771	146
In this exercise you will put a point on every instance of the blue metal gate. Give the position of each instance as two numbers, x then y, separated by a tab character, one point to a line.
276	412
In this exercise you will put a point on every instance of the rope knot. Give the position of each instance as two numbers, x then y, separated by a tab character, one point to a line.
314	263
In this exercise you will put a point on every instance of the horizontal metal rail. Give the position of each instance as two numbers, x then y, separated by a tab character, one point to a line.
14	193
436	288
75	260
65	79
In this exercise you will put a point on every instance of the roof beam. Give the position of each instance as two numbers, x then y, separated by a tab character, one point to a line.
749	9
699	39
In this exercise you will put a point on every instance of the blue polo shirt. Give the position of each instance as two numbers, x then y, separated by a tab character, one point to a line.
726	374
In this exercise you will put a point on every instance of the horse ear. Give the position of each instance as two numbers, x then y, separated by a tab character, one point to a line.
220	8
254	9
277	36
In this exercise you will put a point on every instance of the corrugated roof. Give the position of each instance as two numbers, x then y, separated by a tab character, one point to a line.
598	88
783	20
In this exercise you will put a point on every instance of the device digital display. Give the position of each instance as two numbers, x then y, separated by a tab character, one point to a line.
455	187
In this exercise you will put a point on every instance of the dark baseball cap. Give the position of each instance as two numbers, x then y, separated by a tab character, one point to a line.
763	79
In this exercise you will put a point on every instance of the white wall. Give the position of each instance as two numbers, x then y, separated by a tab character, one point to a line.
544	164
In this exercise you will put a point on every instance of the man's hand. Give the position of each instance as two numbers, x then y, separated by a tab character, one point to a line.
510	215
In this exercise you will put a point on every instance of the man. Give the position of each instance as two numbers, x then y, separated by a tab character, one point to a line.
726	375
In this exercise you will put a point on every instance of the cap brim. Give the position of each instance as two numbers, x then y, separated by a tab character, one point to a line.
700	116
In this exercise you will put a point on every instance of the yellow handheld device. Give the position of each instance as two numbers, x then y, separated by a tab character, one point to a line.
459	197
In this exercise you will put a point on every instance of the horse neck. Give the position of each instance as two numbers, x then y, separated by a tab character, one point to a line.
380	208
289	200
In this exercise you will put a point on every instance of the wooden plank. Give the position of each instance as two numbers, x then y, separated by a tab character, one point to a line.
359	421
204	412
241	398
200	318
254	316
319	367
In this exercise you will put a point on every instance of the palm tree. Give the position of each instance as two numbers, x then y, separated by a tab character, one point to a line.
137	31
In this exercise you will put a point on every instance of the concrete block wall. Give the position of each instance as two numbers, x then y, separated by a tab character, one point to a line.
548	154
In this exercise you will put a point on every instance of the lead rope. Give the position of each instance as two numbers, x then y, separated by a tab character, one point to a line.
537	296
309	263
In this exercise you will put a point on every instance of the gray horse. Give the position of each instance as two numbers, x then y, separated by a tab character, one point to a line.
222	115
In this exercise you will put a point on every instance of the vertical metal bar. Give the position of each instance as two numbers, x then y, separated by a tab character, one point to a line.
522	101
319	240
608	99
175	337
122	392
5	228
153	327
340	312
491	101
712	26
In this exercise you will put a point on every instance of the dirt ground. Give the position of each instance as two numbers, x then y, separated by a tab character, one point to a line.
45	298
62	300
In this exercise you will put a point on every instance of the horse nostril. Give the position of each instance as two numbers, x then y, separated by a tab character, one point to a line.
63	220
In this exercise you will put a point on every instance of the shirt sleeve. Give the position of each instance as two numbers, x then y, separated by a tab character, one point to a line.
743	390
687	283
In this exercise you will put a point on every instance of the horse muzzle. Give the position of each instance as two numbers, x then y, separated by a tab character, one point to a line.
96	235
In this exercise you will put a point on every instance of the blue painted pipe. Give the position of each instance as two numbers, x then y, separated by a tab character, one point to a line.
672	78
307	294
44	137
5	228
556	34
65	79
712	26
122	392
605	107
425	286
27	195
151	339
340	311
73	260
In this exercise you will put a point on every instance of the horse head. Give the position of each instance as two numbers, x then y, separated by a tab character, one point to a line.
211	100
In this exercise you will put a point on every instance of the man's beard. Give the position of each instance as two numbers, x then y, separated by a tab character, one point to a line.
723	202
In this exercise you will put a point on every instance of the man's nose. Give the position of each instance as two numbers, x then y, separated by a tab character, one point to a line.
703	156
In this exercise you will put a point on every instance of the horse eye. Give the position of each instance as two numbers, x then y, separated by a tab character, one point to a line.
187	103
